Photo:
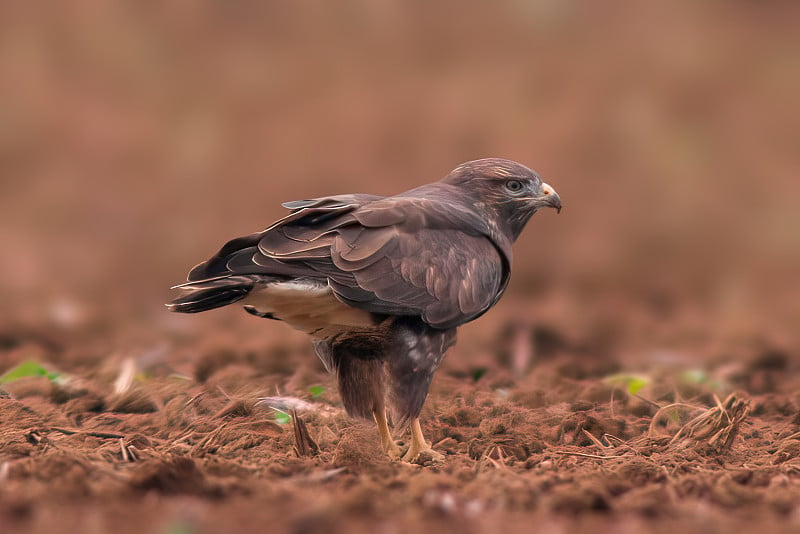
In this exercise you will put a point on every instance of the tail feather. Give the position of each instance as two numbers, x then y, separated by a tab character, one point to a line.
210	294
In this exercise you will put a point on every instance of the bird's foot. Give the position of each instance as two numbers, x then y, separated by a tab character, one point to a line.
387	443
420	451
392	450
423	456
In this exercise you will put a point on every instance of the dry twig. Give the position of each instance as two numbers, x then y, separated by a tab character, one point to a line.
717	426
303	444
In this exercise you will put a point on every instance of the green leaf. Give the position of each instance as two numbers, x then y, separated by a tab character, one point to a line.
282	418
633	383
25	370
478	373
316	391
694	376
179	527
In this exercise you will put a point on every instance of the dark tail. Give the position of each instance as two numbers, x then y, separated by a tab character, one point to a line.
210	294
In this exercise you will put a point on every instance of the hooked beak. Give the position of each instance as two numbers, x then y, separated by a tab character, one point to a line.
549	197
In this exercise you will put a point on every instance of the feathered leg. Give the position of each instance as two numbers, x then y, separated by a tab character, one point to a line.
361	387
416	353
358	364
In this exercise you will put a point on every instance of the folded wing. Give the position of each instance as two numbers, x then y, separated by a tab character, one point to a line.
393	256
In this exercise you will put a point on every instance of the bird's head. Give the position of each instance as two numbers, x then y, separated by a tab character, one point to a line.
508	190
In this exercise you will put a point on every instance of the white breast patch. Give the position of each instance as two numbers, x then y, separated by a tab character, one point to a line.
307	306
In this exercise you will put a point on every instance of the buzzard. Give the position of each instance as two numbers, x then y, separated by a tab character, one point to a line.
381	283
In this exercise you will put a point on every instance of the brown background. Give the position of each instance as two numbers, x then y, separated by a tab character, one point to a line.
136	138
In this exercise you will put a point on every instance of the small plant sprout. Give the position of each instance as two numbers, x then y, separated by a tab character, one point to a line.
316	391
282	417
630	382
27	369
478	373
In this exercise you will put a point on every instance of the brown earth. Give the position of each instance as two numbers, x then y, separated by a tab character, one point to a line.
640	375
173	440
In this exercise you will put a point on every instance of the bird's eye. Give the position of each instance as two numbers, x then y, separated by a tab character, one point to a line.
515	186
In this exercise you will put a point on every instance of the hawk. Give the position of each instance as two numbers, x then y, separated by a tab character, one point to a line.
381	283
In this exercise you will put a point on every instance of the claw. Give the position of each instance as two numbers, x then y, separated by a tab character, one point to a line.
420	451
424	457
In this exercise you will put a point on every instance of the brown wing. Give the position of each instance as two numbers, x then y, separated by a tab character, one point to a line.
236	256
395	256
445	276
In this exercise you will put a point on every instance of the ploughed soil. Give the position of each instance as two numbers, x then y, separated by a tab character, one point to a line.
540	430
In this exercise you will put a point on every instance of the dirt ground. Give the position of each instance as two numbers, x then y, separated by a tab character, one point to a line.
640	375
542	431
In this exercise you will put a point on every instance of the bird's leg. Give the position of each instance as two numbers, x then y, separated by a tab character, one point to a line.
387	443
419	446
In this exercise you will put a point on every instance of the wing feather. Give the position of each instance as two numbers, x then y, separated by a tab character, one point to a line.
398	256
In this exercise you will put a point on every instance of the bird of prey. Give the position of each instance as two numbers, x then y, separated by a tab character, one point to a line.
381	283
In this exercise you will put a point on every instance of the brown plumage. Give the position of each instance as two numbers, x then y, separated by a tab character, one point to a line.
381	283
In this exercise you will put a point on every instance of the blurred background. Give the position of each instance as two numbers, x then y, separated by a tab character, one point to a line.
137	137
